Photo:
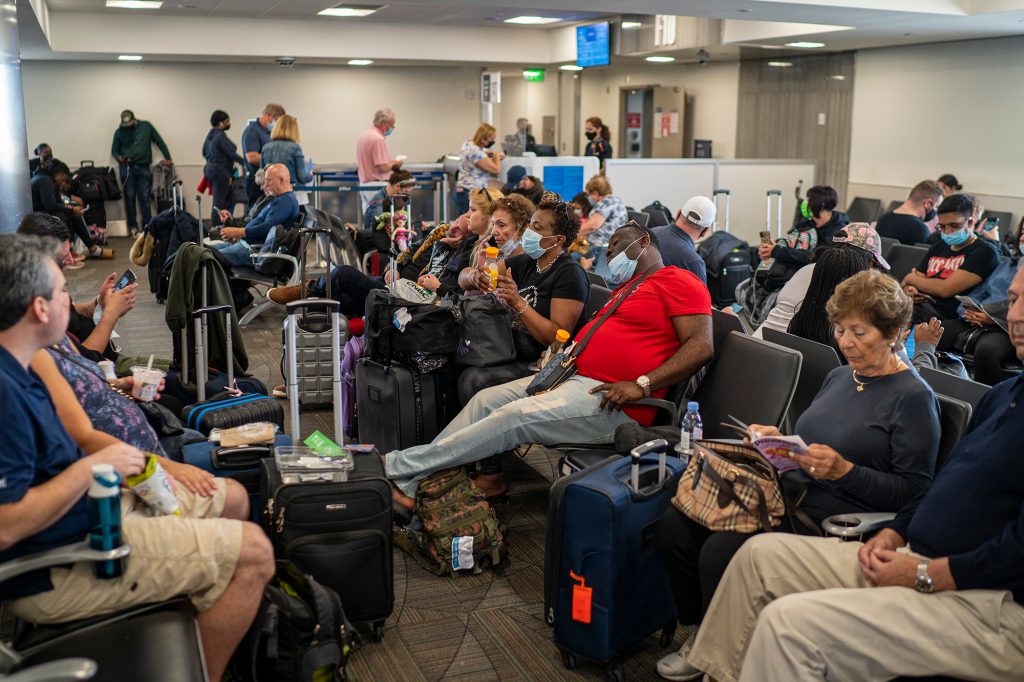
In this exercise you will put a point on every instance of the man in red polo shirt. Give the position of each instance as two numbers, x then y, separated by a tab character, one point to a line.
658	337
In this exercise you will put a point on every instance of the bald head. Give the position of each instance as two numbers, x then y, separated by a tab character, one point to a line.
278	179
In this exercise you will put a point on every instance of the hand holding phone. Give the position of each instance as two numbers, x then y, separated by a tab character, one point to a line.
766	237
124	280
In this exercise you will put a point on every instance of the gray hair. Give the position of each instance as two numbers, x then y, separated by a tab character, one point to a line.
273	109
382	115
24	273
260	176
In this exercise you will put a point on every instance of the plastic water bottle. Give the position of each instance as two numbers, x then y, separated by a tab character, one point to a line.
104	508
691	428
491	264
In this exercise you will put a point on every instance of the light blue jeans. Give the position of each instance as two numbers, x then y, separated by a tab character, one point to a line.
503	417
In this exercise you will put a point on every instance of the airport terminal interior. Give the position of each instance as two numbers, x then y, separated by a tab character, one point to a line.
524	340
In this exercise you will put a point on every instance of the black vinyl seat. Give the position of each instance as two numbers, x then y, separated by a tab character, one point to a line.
903	258
953	386
639	216
598	296
818	361
864	210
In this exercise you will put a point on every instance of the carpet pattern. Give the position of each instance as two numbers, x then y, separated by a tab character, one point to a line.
483	627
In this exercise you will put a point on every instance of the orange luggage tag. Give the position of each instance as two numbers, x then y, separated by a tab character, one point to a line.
582	596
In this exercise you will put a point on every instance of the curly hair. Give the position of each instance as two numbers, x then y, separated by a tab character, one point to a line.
832	266
517	206
567	223
875	297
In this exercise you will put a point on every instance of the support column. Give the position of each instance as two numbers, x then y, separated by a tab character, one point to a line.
15	194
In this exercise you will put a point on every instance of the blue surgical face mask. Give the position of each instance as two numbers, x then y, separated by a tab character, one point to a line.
622	266
957	238
388	132
270	127
508	248
531	244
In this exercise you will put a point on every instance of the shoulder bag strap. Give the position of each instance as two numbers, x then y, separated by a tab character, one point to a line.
608	313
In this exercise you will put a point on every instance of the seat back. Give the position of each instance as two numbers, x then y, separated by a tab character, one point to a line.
954	415
818	361
597	279
751	379
863	210
595	301
722	324
887	244
953	386
903	258
640	217
893	205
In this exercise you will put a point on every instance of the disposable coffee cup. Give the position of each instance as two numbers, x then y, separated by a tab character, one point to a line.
108	369
153	487
146	383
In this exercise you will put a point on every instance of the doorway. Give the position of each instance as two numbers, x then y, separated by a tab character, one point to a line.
652	122
635	123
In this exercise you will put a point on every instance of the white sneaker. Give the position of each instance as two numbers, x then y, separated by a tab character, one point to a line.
676	667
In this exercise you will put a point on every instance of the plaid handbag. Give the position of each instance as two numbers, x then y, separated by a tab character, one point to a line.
729	486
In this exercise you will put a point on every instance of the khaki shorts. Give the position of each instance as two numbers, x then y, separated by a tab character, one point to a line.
194	554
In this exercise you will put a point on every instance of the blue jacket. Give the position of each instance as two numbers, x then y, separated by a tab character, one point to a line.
290	154
281	210
219	150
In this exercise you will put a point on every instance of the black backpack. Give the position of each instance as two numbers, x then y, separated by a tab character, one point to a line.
660	215
301	633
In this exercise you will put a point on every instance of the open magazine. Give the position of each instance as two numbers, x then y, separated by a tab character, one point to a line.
776	449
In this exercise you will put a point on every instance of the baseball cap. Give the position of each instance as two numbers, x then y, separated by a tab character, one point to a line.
863	236
699	211
127	118
515	174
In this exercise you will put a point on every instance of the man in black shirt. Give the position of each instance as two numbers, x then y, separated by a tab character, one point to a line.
907	222
953	266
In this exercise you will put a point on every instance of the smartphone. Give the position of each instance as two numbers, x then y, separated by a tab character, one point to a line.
766	237
968	303
127	278
927	297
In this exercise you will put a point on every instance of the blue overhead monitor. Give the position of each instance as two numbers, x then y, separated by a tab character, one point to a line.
592	48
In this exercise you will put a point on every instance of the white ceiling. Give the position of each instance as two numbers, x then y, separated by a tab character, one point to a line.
409	31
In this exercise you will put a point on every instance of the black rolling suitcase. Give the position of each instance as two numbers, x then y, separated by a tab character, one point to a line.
227	408
338	532
398	407
726	257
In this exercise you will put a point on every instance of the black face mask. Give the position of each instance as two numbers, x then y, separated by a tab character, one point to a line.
929	215
227	127
488	145
591	135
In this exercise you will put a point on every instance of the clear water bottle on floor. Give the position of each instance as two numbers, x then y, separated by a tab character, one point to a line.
691	428
104	509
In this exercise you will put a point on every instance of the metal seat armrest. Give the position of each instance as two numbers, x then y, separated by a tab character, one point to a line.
849	526
68	554
666	406
64	670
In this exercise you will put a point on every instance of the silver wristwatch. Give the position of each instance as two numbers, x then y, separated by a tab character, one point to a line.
923	581
645	384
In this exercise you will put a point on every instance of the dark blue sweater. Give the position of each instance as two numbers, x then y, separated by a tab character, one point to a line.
974	511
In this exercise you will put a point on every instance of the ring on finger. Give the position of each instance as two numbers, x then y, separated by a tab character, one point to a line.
811	469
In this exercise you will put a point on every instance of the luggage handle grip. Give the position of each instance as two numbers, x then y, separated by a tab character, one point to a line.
657	445
200	312
776	192
306	304
722	191
255	452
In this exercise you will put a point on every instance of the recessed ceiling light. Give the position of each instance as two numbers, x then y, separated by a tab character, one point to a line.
660	59
130	57
780	64
632	24
531	20
838	78
360	62
570	67
349	11
808	44
135	4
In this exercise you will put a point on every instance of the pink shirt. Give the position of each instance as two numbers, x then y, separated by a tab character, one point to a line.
371	151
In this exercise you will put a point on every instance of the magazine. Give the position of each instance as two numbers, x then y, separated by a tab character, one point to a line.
777	450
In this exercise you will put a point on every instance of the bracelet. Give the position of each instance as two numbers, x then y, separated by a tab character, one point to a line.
526	307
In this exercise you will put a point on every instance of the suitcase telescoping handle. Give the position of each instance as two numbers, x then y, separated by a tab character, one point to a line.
768	213
333	308
728	198
313	229
199	317
659	445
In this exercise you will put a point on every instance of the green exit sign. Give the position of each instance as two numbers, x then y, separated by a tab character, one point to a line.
533	75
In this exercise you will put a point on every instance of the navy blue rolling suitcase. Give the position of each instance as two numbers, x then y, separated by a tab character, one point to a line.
605	585
240	462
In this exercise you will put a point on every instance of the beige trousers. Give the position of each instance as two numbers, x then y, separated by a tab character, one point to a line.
799	608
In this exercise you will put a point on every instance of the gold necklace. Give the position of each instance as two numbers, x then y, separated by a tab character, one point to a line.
862	384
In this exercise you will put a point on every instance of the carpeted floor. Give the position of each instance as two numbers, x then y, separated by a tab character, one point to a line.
482	627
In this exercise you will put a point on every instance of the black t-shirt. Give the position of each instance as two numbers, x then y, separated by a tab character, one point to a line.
564	279
941	261
81	327
908	229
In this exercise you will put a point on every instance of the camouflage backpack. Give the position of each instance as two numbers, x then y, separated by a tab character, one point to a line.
460	530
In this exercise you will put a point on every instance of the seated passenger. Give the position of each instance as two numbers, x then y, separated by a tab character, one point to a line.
676	241
43	158
50	186
658	337
863	249
228	220
607	214
872	433
544	288
519	182
907	222
937	592
400	182
221	564
463	249
283	209
960	262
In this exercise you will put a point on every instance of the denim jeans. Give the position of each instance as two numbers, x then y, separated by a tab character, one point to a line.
503	417
136	181
237	253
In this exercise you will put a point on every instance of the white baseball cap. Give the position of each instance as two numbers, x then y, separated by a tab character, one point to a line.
699	211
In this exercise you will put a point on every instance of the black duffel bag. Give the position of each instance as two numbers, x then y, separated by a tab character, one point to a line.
425	341
486	337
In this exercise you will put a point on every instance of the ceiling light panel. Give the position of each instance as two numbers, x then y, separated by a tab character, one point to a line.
660	59
360	62
135	4
130	57
532	20
570	67
805	44
349	11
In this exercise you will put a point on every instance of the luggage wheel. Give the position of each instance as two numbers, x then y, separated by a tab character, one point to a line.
568	660
613	672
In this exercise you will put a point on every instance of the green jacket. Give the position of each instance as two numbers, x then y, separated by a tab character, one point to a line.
136	144
184	295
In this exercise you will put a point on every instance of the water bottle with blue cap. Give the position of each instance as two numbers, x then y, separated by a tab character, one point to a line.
104	508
